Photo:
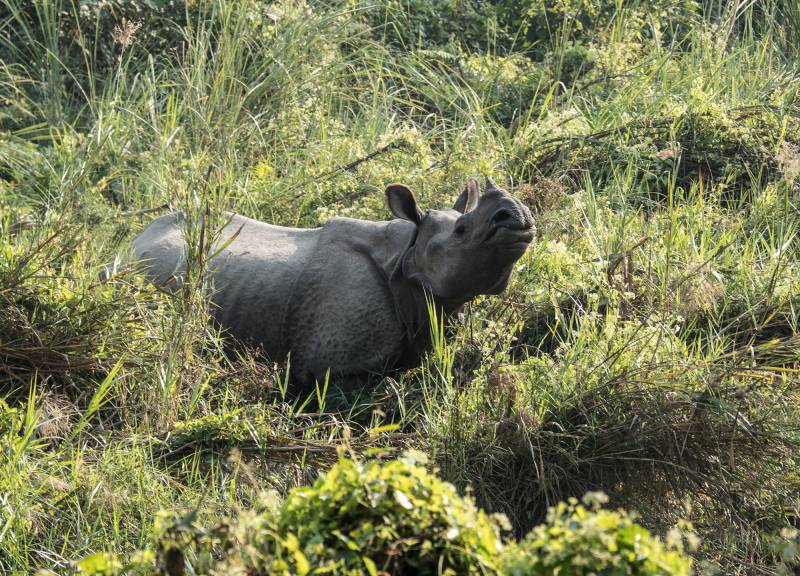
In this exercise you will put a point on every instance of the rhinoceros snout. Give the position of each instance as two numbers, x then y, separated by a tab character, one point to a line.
512	215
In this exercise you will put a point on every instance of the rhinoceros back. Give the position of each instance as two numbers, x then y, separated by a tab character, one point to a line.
253	275
161	251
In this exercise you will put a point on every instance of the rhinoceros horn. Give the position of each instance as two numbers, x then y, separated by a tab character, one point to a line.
490	184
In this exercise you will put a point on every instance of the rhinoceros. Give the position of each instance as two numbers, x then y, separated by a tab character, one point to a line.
352	296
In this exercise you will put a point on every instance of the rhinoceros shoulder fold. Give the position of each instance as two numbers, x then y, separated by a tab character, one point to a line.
344	309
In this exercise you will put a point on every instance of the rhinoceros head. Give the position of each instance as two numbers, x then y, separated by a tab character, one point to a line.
469	249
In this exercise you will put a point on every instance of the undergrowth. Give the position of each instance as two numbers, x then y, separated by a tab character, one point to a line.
647	346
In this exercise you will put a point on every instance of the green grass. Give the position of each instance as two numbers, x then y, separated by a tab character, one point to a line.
648	345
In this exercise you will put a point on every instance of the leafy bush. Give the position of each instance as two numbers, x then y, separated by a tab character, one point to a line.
359	518
396	518
401	517
787	548
579	541
508	83
22	167
542	23
672	141
546	24
93	27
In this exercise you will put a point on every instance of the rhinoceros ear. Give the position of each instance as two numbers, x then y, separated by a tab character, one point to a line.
402	203
469	197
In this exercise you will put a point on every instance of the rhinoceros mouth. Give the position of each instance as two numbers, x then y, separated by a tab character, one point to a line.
506	238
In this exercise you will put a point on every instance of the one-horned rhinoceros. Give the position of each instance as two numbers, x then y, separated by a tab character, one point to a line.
352	296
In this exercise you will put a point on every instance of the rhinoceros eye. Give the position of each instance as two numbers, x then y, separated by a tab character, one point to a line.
460	228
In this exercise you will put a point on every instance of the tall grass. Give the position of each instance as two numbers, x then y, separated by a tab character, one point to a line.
648	345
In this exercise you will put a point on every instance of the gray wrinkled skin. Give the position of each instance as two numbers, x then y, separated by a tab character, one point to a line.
350	296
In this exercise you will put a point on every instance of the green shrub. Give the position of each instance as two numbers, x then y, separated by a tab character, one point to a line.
536	27
540	26
396	518
22	168
676	142
91	28
787	548
397	515
359	518
72	45
578	541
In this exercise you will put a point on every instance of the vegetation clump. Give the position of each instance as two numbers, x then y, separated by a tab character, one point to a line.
398	515
367	518
580	541
647	345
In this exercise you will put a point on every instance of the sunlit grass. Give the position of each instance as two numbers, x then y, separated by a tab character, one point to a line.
648	345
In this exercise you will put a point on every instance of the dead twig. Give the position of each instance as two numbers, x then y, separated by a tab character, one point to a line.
165	206
19	226
357	162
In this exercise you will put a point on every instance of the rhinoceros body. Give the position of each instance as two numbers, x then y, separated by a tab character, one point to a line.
350	296
322	294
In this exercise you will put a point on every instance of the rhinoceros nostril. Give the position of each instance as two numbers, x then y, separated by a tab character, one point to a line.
509	219
501	216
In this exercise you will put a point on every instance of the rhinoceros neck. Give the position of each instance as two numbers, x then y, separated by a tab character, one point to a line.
416	298
414	272
413	300
391	248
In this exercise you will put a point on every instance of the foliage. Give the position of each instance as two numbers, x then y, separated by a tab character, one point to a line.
398	515
54	327
537	28
579	541
647	346
787	548
396	518
414	24
511	83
